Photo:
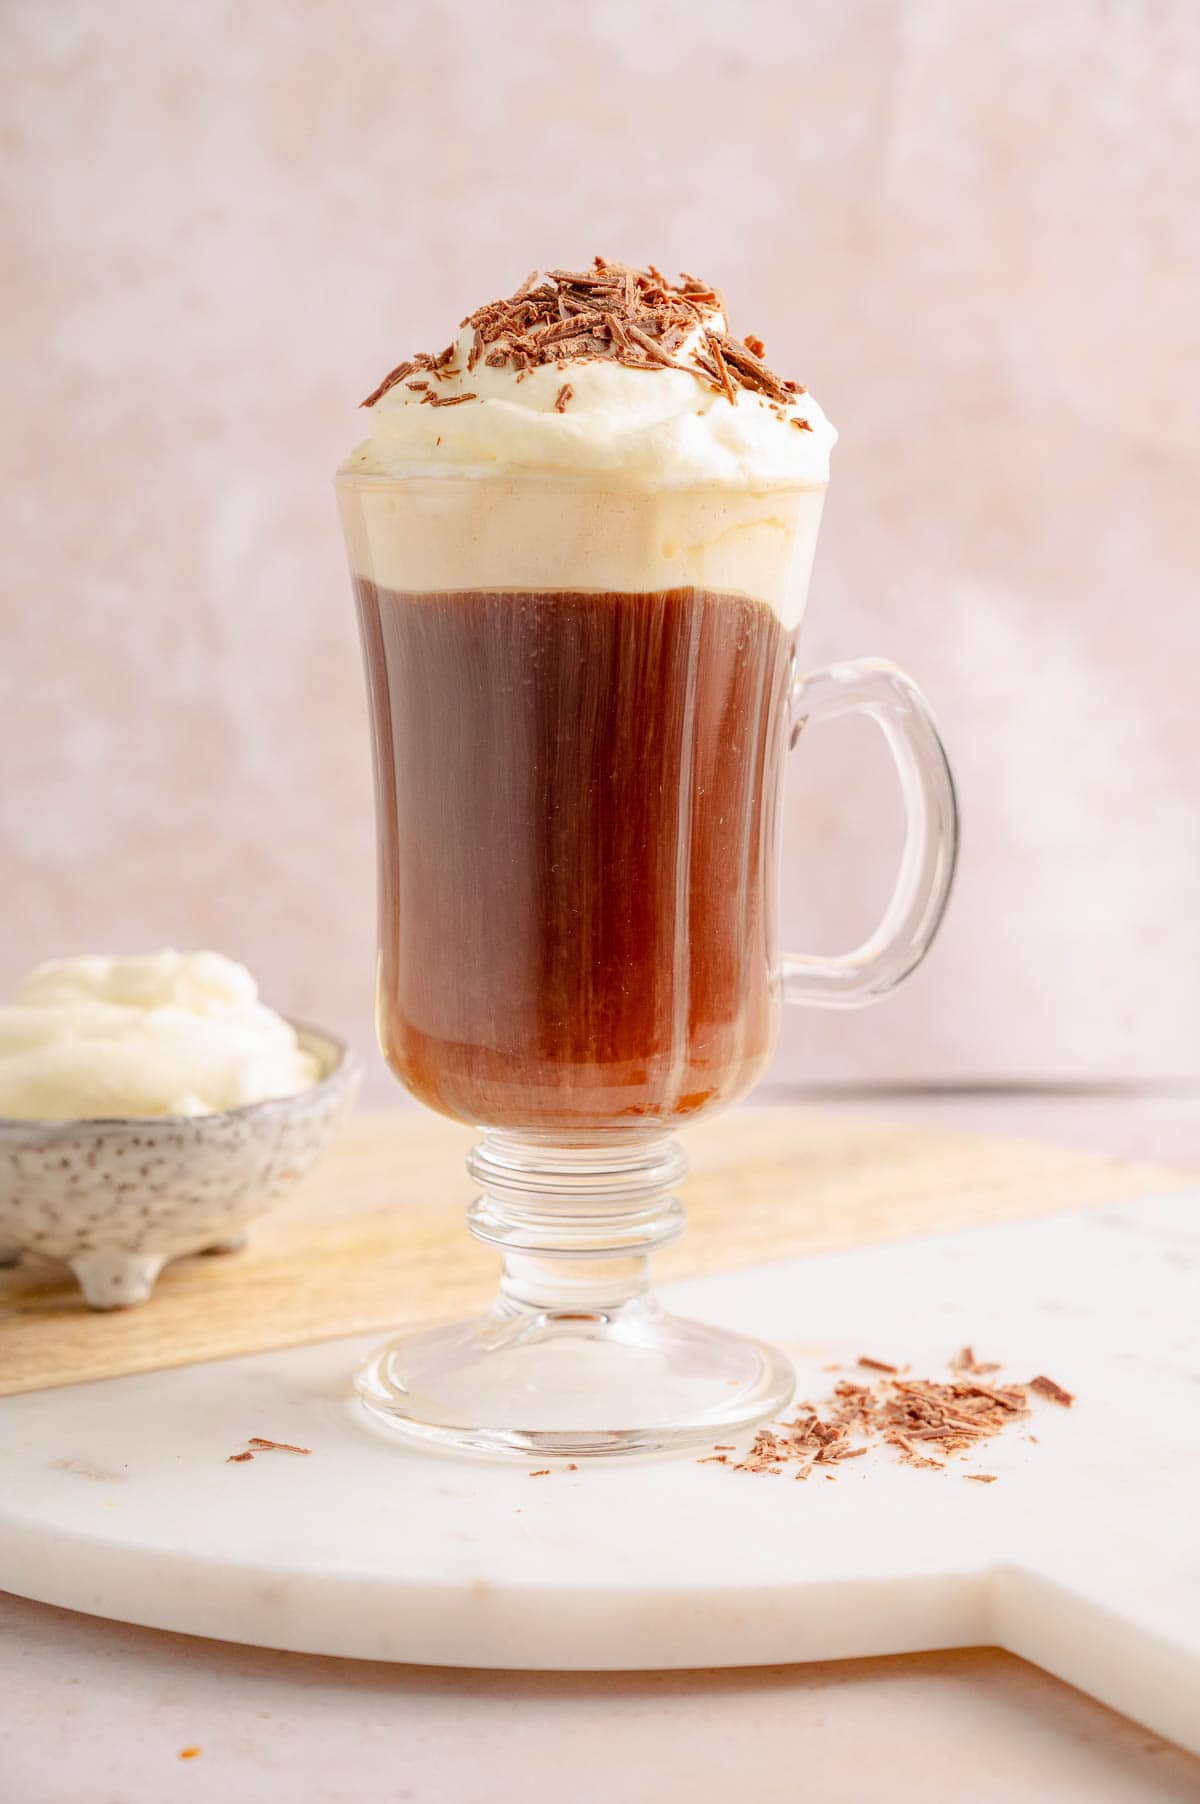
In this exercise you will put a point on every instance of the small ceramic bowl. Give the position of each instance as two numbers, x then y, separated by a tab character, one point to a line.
117	1199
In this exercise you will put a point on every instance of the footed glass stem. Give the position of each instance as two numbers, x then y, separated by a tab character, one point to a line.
575	1357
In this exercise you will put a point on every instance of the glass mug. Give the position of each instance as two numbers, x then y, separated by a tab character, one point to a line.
582	698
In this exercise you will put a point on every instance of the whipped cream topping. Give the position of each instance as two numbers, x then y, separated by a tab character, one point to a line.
599	430
169	1034
641	426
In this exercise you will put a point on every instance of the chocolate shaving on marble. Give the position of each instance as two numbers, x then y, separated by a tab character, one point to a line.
925	1421
1046	1387
260	1444
965	1361
612	312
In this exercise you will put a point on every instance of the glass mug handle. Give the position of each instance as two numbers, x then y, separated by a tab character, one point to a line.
873	687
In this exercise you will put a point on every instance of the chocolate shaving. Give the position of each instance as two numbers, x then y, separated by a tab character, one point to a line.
916	1417
556	332
751	371
722	367
965	1361
447	400
700	290
653	350
542	1472
389	381
259	1444
611	312
562	397
1046	1387
980	1478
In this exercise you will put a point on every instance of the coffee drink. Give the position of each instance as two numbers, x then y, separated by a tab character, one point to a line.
576	796
580	539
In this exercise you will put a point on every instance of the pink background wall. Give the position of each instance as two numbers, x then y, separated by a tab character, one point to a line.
970	227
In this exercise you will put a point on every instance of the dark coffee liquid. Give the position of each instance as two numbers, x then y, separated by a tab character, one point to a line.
576	797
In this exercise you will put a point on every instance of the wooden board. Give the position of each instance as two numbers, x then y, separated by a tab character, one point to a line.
375	1238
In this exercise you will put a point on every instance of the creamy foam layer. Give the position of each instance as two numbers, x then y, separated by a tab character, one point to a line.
422	533
170	1034
587	473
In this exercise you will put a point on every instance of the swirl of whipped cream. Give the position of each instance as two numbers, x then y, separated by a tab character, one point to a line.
640	426
170	1034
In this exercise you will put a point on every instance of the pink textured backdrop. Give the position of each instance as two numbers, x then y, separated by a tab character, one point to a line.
971	228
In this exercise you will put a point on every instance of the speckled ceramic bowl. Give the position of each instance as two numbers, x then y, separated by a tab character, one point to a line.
117	1199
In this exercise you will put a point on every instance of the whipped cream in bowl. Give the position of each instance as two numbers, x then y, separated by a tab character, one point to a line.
168	1034
153	1106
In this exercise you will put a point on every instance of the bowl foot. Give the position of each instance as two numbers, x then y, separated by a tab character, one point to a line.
116	1280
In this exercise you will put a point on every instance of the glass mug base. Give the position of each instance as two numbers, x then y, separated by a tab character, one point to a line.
628	1380
575	1358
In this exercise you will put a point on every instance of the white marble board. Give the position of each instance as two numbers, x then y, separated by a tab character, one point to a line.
116	1498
